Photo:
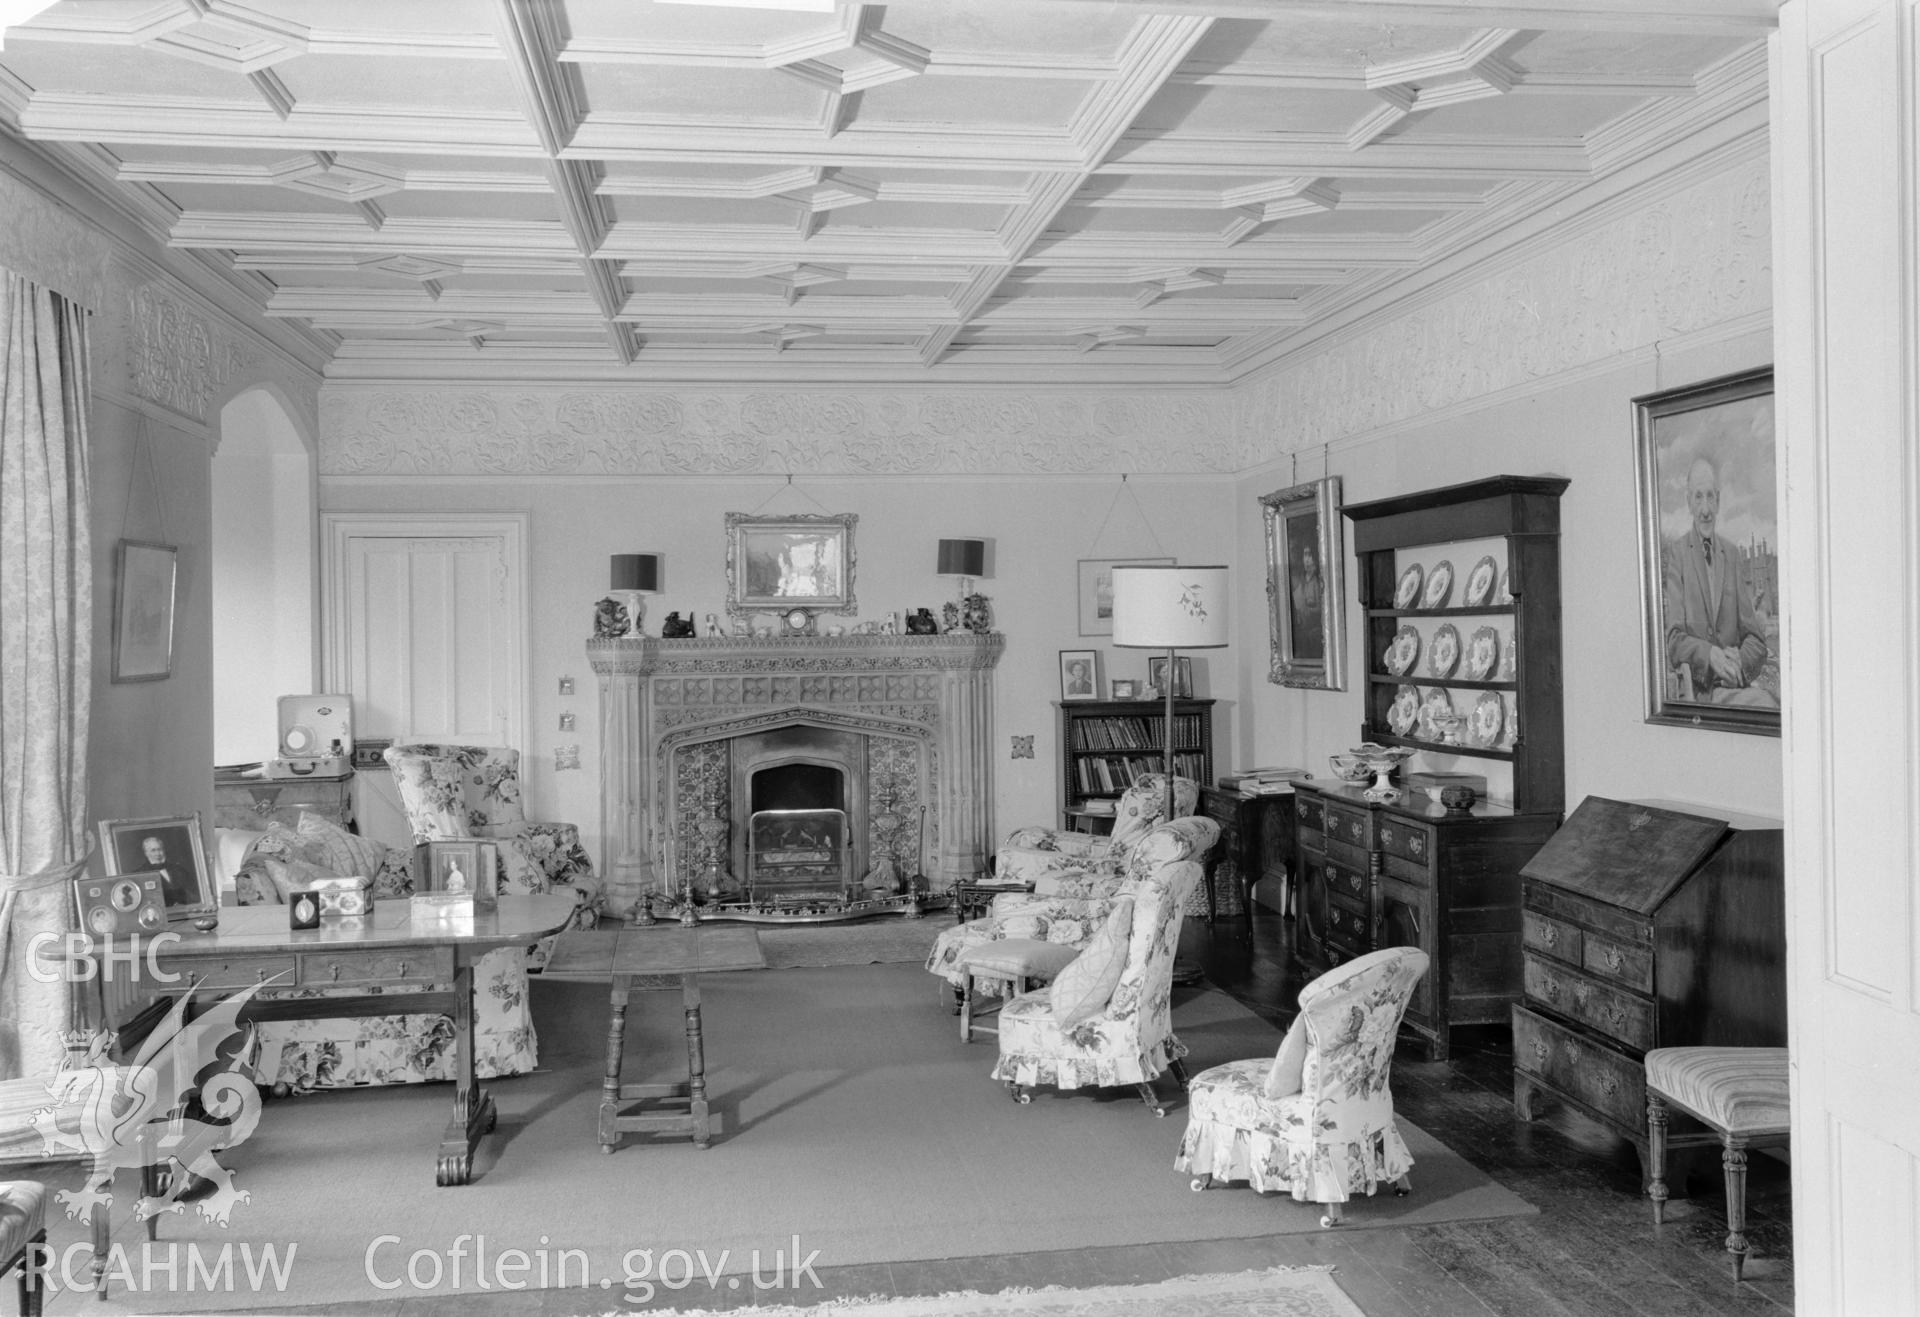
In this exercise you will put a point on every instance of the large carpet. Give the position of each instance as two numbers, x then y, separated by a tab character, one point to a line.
852	1119
1276	1292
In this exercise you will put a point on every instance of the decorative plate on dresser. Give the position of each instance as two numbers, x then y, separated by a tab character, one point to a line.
1439	586
1407	593
1480	582
1444	654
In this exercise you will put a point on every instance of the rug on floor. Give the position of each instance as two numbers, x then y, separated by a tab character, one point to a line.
854	1127
1277	1292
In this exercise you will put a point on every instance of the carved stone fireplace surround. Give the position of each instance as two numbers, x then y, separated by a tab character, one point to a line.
659	696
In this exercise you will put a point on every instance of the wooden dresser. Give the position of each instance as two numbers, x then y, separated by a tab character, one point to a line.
1411	874
251	802
1646	925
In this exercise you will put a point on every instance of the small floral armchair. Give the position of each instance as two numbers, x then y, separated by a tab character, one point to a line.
454	791
1130	1040
1317	1120
1063	863
1063	920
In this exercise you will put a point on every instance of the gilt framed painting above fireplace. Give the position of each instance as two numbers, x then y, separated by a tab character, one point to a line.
801	561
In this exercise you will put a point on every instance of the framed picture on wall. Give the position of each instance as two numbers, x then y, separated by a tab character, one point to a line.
1306	586
1705	459
775	564
1096	590
143	590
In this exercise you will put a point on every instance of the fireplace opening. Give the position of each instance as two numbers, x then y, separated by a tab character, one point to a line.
797	833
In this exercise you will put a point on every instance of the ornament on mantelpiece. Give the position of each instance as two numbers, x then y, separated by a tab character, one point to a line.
609	620
949	617
978	615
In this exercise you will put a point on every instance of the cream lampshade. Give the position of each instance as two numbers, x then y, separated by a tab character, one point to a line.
1169	608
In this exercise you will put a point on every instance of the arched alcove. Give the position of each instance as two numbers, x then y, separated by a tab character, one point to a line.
265	574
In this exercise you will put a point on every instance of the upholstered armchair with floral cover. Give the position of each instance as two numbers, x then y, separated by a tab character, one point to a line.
1107	1019
1317	1119
1062	920
401	1048
454	791
1064	863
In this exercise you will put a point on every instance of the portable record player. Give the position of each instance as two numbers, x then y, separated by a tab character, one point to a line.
316	737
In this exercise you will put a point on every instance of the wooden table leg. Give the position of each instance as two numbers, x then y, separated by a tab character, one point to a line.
616	1049
473	1113
696	1062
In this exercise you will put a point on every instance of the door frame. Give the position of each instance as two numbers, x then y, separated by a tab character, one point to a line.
339	529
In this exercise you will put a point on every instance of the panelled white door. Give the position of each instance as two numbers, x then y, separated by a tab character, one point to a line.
426	624
1847	332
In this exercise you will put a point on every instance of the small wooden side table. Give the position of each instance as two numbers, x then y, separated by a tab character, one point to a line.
619	955
972	900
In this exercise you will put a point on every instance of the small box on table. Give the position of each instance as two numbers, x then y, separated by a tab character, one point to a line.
464	866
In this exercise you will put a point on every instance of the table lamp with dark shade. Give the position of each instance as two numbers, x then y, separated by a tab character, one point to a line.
965	559
635	575
1170	608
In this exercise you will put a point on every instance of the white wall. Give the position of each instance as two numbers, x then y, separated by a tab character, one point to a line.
264	575
1039	528
1584	430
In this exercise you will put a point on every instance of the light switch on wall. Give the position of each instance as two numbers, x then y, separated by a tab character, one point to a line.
566	685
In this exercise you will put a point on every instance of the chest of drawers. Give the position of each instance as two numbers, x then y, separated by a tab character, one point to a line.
1256	842
1645	926
1410	874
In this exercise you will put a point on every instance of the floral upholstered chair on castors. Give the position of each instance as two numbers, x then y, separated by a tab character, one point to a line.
1107	1018
1027	938
1063	863
456	791
1317	1119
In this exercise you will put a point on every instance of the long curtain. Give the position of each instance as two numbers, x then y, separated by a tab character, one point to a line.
46	654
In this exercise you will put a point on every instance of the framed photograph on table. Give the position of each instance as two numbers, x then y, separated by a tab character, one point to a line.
1182	676
1705	460
143	593
1306	586
1123	688
171	847
1096	590
1079	674
775	564
459	865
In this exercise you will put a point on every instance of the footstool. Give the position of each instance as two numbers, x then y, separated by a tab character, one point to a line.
1016	961
1741	1093
23	1230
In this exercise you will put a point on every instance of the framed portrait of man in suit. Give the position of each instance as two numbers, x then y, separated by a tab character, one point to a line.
1705	459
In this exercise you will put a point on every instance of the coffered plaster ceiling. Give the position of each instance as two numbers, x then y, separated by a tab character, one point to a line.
1076	191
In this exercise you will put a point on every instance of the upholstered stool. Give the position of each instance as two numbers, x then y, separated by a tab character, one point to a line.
23	1228
1741	1092
1017	961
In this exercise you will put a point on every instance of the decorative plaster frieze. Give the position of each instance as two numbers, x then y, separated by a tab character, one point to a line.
434	432
41	240
177	357
1694	259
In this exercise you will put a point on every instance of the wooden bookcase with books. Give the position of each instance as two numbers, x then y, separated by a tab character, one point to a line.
1105	745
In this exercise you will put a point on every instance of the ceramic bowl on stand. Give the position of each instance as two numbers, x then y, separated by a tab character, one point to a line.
1381	761
1350	768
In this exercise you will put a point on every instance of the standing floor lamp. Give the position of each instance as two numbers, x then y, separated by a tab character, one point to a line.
1170	608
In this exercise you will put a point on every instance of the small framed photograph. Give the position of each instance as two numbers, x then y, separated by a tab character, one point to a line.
169	847
143	590
1182	676
467	865
1096	590
1079	674
1123	688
